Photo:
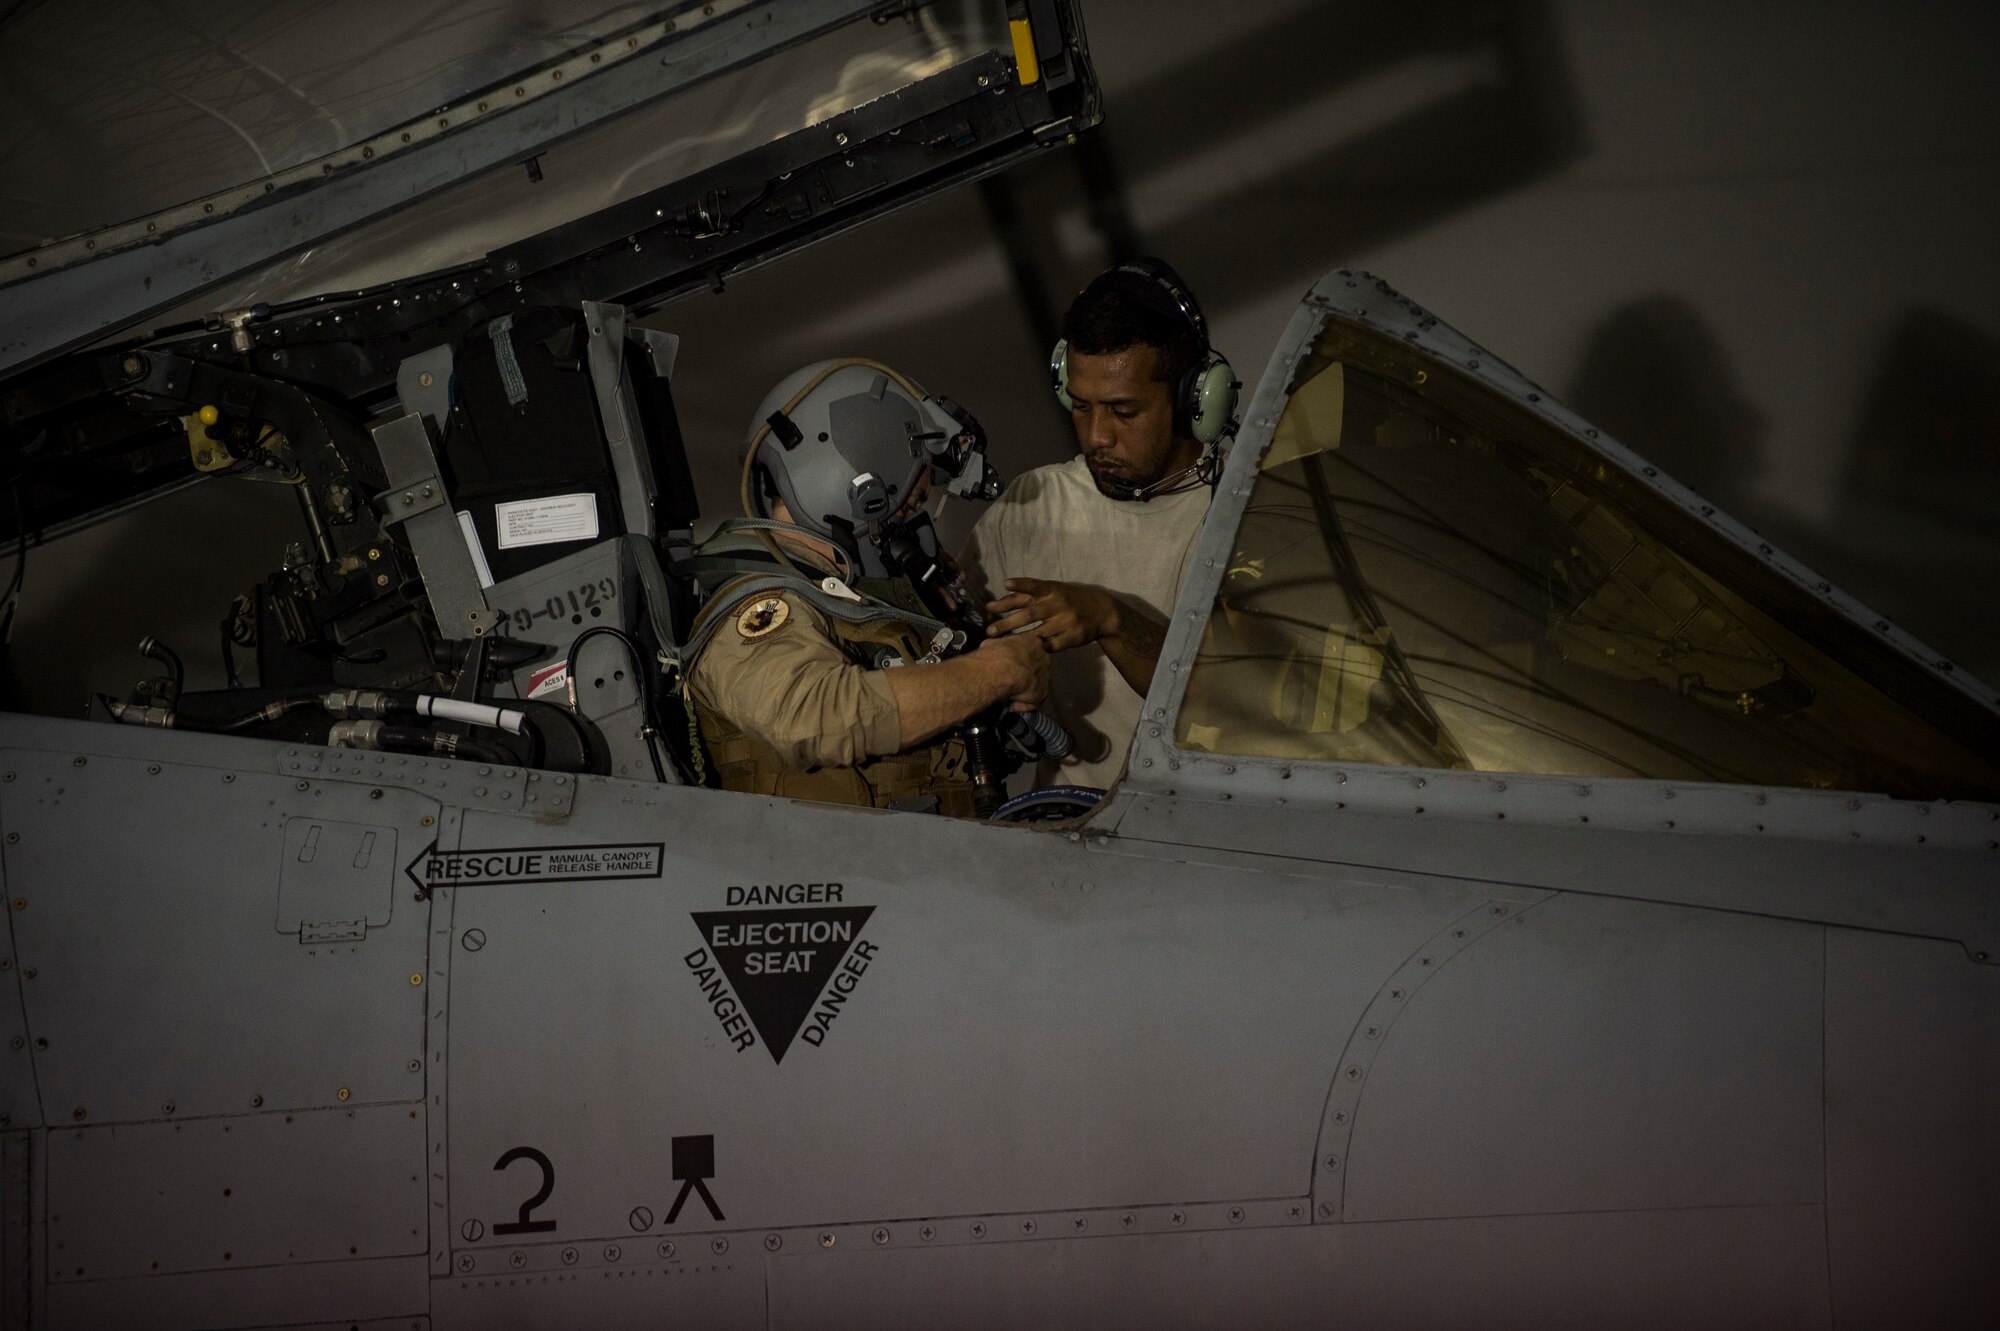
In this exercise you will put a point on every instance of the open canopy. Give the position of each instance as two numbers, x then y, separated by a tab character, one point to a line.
169	163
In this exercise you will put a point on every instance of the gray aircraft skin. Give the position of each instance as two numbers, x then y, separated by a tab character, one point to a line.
1302	1026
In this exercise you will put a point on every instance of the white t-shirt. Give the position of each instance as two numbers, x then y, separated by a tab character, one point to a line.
1053	523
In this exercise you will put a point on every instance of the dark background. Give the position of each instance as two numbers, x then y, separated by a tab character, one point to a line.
1754	242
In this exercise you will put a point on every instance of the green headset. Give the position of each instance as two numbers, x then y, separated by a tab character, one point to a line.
1205	398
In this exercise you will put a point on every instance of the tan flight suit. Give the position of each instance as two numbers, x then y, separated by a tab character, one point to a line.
789	704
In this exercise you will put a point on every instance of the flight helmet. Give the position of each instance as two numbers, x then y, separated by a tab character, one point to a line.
844	442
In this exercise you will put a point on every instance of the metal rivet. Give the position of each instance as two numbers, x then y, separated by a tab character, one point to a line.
343	1093
415	1065
416	978
256	1102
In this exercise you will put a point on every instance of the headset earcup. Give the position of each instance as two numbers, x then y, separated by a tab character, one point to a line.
1059	372
1214	400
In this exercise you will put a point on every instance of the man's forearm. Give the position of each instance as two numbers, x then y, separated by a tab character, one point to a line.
930	699
1134	646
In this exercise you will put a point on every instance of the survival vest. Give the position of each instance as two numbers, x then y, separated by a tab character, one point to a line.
872	632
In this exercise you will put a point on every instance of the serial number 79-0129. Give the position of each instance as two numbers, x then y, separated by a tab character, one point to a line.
588	600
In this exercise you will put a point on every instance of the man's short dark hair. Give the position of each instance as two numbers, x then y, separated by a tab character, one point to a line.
1112	315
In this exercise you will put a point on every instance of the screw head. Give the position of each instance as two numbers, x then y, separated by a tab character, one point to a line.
826	1239
465	1263
927	1233
1027	1226
1179	1217
773	1242
472	940
718	1246
1235	1215
979	1229
517	1259
569	1256
473	1230
641	1219
612	1252
666	1250
881	1236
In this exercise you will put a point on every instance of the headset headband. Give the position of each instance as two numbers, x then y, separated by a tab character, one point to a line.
1157	285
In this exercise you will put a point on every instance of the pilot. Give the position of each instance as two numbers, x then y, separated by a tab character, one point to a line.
806	679
1088	554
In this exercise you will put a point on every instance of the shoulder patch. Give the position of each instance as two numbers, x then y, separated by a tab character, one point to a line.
763	616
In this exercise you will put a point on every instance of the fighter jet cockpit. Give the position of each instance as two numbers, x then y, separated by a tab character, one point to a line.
430	334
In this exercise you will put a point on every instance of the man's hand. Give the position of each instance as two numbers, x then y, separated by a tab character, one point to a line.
931	699
1070	614
1021	666
1062	614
